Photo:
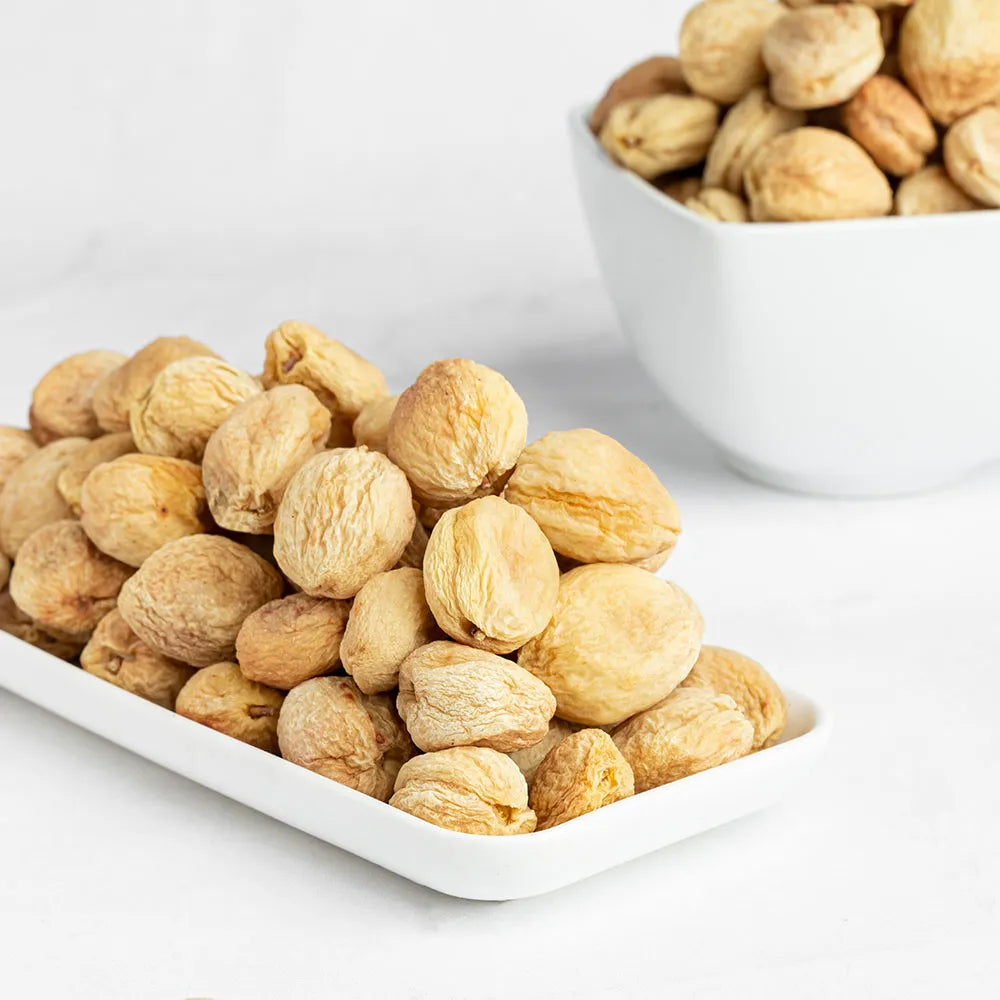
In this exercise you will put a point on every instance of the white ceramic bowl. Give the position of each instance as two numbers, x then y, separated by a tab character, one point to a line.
848	358
455	863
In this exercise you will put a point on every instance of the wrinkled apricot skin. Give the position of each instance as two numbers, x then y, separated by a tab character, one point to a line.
135	504
746	127
31	498
117	655
256	450
189	599
329	726
62	404
220	697
821	55
972	155
292	639
725	672
719	205
16	445
465	789
15	622
490	575
388	620
620	640
691	730
652	136
115	393
185	404
811	174
721	46
344	382
949	51
594	500
932	192
891	125
656	75
62	580
346	515
529	758
103	449
451	695
457	432
584	772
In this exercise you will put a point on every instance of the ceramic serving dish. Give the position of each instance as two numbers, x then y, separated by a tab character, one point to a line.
846	358
454	863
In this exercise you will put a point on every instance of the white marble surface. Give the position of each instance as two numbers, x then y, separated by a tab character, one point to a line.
879	878
253	119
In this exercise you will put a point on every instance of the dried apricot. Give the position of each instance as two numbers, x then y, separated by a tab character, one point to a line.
135	504
389	620
15	622
745	681
292	639
220	697
189	599
584	772
103	449
346	515
343	381
490	575
115	393
594	499
620	640
451	695
251	457
185	404
329	726
466	789
689	731
117	655
15	446
457	432
62	404
31	497
63	581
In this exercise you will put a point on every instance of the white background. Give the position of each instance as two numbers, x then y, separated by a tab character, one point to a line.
243	127
398	173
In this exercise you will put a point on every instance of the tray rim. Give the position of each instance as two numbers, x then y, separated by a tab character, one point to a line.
72	693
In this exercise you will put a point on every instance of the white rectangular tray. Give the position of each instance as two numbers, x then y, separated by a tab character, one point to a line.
455	863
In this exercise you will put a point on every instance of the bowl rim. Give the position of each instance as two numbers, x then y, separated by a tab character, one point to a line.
588	142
